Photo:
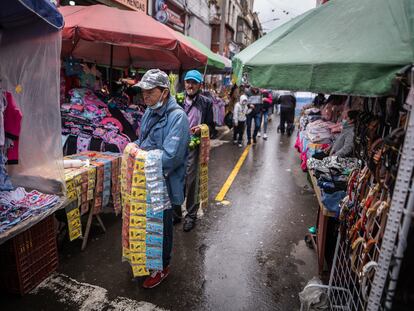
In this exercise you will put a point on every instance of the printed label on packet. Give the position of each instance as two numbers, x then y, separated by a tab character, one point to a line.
75	223
73	213
138	193
153	214
75	233
137	246
154	252
138	221
155	240
139	270
155	227
154	264
138	208
137	234
138	259
126	253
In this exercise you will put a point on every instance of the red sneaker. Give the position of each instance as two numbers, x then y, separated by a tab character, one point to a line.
156	278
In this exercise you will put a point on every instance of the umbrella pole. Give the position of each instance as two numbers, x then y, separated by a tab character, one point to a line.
110	68
204	76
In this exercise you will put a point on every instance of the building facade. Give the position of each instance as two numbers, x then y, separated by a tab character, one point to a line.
242	25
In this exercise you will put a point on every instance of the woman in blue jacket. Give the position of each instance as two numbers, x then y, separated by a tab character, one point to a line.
164	126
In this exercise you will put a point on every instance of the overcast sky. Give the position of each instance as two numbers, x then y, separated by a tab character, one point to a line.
270	9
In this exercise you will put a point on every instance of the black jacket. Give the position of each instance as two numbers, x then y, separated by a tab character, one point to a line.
287	102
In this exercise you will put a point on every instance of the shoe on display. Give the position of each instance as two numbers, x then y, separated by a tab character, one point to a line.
189	224
156	278
265	136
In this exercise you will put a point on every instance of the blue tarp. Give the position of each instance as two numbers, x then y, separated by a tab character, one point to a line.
15	13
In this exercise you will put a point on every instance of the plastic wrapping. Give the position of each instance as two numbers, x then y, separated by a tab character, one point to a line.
30	70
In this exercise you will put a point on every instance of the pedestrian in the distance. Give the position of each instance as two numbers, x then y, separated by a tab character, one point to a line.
199	111
254	112
239	120
287	104
267	105
164	126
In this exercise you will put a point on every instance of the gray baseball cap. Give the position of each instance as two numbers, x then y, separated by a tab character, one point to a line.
154	78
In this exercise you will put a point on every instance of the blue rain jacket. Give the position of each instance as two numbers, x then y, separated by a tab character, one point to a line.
167	129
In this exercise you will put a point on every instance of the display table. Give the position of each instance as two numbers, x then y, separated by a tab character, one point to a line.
30	222
90	188
322	224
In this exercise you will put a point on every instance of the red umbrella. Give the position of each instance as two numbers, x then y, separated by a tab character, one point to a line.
121	38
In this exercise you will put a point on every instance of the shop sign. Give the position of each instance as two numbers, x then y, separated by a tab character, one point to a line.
166	15
137	5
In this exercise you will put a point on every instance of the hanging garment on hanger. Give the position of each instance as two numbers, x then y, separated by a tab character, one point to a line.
12	125
3	105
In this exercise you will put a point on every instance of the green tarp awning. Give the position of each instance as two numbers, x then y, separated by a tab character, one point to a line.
213	60
344	47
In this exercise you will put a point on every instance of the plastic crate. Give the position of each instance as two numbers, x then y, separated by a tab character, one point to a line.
29	258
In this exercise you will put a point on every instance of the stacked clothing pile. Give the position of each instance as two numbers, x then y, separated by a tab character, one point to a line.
92	123
315	134
19	205
332	174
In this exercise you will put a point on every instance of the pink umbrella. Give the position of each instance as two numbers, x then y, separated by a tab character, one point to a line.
121	38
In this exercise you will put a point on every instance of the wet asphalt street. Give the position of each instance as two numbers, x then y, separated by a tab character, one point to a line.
247	255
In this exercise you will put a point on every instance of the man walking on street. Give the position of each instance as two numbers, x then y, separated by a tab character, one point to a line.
164	126
199	111
287	104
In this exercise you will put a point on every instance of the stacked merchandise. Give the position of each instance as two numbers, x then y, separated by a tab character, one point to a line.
100	180
19	205
332	174
80	186
315	134
144	198
97	123
203	170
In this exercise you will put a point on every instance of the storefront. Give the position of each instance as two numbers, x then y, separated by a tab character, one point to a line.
171	14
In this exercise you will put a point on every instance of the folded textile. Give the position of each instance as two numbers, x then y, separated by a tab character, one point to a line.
18	205
333	162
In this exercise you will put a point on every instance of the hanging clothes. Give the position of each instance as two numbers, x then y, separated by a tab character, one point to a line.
12	126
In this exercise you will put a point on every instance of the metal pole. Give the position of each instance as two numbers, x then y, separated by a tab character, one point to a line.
110	68
222	27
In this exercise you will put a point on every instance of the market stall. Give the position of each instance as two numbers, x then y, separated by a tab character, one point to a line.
32	182
368	188
93	118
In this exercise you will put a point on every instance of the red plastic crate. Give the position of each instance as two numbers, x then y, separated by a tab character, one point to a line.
29	258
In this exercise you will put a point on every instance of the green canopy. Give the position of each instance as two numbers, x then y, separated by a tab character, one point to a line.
213	59
343	47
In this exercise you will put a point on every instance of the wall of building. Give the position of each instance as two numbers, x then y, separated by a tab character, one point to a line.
198	24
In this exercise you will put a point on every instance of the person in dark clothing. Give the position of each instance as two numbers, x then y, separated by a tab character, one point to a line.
254	112
319	100
199	111
287	113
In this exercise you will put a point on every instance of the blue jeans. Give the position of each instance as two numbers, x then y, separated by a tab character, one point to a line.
257	121
265	120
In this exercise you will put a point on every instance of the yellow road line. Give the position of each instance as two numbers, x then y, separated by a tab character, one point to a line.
220	196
